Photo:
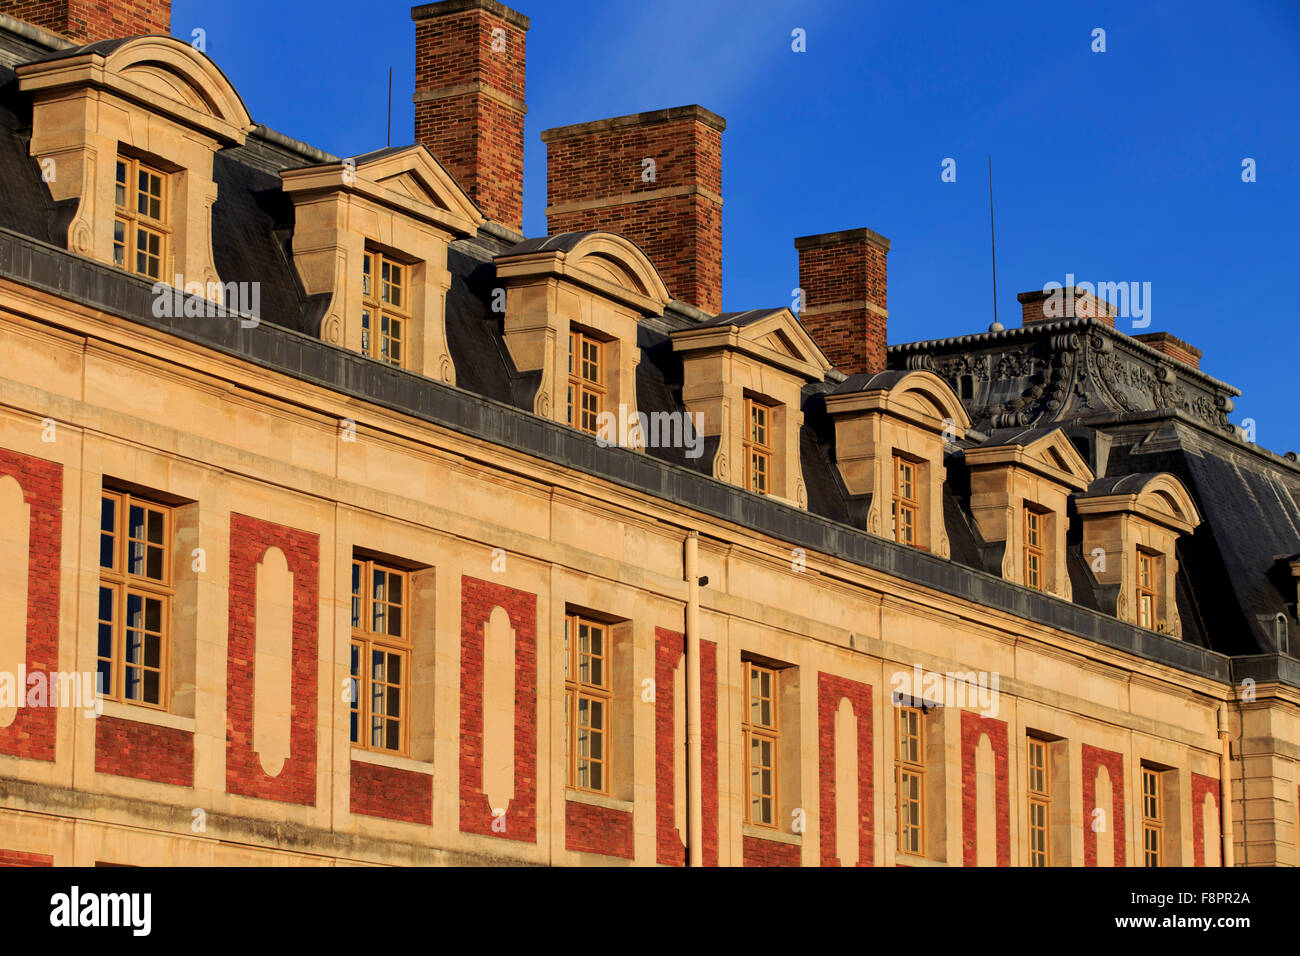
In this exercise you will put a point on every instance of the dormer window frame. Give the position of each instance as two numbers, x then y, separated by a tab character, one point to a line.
1147	585
759	418
127	194
1036	544
908	479
382	312
581	385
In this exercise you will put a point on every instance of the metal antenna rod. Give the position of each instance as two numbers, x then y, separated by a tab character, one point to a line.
993	246
388	141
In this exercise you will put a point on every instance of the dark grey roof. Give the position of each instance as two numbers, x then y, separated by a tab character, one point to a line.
560	242
738	319
1129	484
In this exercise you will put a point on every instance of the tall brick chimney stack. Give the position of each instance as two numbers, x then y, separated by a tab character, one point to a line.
469	99
86	21
842	275
655	178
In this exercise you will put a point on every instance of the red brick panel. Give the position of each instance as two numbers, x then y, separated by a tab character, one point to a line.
670	848
1094	757
129	748
478	599
1201	785
19	858
603	830
89	20
830	691
759	852
389	792
32	732
974	726
250	539
670	843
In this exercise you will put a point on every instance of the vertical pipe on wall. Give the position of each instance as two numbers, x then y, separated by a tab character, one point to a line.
1225	788
694	753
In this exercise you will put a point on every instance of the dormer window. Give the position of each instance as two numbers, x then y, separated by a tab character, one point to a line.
586	391
1034	542
1148	581
140	225
907	503
384	308
758	446
1131	527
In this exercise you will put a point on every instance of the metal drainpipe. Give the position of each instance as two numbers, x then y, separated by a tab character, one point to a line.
694	753
1225	788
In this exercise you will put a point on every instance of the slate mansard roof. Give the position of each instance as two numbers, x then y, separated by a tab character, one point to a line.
1126	408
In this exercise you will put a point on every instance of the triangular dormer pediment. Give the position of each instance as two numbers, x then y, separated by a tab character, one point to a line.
1051	454
408	180
773	336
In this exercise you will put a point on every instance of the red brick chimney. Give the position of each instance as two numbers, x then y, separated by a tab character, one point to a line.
469	99
655	178
842	275
1063	303
87	21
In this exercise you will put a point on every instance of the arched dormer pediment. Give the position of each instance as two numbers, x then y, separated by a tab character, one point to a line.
1156	496
603	262
918	396
160	73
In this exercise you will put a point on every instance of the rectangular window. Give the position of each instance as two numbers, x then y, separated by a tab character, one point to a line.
758	447
1152	818
1034	554
909	766
135	599
1146	588
906	501
760	734
385	309
380	658
586	398
588	696
140	229
1039	787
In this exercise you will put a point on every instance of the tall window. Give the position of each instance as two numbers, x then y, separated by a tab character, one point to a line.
381	657
1034	548
140	225
135	598
385	308
761	735
1146	588
909	767
758	446
906	501
1040	801
1152	818
586	381
587	700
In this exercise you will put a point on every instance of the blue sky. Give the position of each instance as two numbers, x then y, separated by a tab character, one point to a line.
1121	166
